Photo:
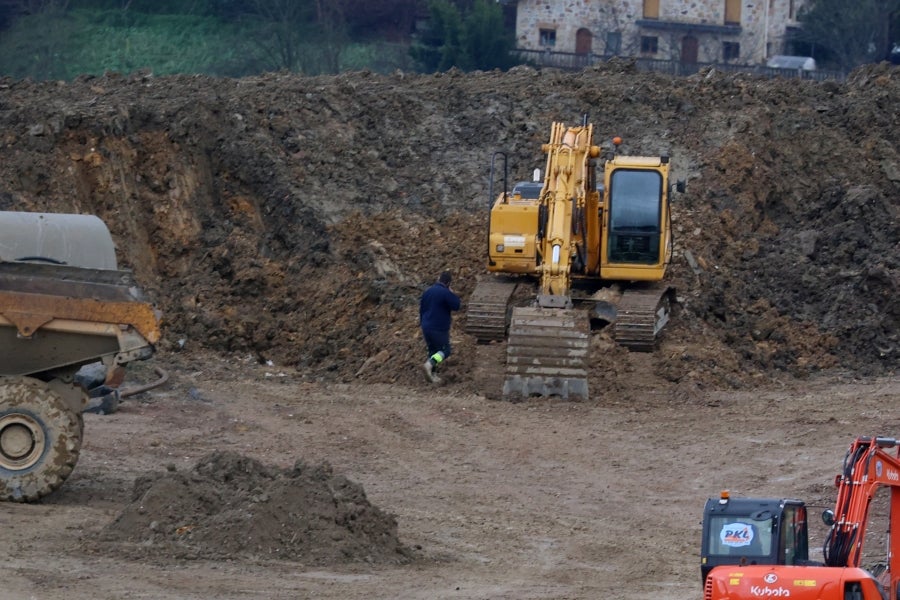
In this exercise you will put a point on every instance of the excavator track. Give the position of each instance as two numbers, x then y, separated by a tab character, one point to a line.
547	354
487	310
641	315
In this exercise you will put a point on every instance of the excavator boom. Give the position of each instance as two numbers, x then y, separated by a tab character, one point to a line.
571	207
868	466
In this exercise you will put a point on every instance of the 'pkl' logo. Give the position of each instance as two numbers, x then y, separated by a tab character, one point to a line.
736	535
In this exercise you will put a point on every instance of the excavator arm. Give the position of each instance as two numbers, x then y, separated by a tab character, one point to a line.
565	200
867	467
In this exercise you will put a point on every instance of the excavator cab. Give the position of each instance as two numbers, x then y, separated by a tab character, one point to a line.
635	216
753	531
637	238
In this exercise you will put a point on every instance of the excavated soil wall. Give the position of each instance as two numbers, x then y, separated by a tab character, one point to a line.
297	219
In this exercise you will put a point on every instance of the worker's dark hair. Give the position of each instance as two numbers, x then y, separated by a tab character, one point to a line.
445	278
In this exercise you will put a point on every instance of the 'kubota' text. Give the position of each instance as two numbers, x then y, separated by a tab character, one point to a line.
767	592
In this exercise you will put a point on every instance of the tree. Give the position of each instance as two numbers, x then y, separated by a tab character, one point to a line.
477	40
283	23
486	43
307	36
848	33
392	19
440	46
9	10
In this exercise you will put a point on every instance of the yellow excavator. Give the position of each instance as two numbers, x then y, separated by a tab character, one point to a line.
594	251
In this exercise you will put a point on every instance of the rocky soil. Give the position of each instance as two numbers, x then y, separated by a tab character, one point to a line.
286	226
297	219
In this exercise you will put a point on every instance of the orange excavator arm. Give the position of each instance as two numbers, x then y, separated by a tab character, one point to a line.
868	466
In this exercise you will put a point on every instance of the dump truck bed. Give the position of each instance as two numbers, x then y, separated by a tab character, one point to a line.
52	316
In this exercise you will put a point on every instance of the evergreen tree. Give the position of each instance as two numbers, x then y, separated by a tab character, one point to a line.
476	40
487	44
440	46
848	33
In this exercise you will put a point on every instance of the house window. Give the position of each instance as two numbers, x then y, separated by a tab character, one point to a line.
732	12
731	51
614	43
651	9
649	44
548	37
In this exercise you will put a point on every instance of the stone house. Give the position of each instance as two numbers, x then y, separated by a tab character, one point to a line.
742	32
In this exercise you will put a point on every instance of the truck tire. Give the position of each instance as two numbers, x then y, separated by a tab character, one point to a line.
40	439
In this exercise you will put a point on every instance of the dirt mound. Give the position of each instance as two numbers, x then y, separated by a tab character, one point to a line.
230	505
296	220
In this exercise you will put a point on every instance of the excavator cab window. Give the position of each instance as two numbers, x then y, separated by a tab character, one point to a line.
740	536
528	190
635	214
853	591
793	543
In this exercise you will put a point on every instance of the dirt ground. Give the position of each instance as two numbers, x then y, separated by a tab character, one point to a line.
286	226
491	499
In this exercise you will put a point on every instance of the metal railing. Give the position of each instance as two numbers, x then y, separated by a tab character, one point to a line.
575	62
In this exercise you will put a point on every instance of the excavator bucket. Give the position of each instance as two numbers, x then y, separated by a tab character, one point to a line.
547	354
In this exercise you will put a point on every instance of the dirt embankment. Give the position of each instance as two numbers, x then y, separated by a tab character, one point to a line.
297	219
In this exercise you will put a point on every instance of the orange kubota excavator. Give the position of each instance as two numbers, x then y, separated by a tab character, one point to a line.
783	573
